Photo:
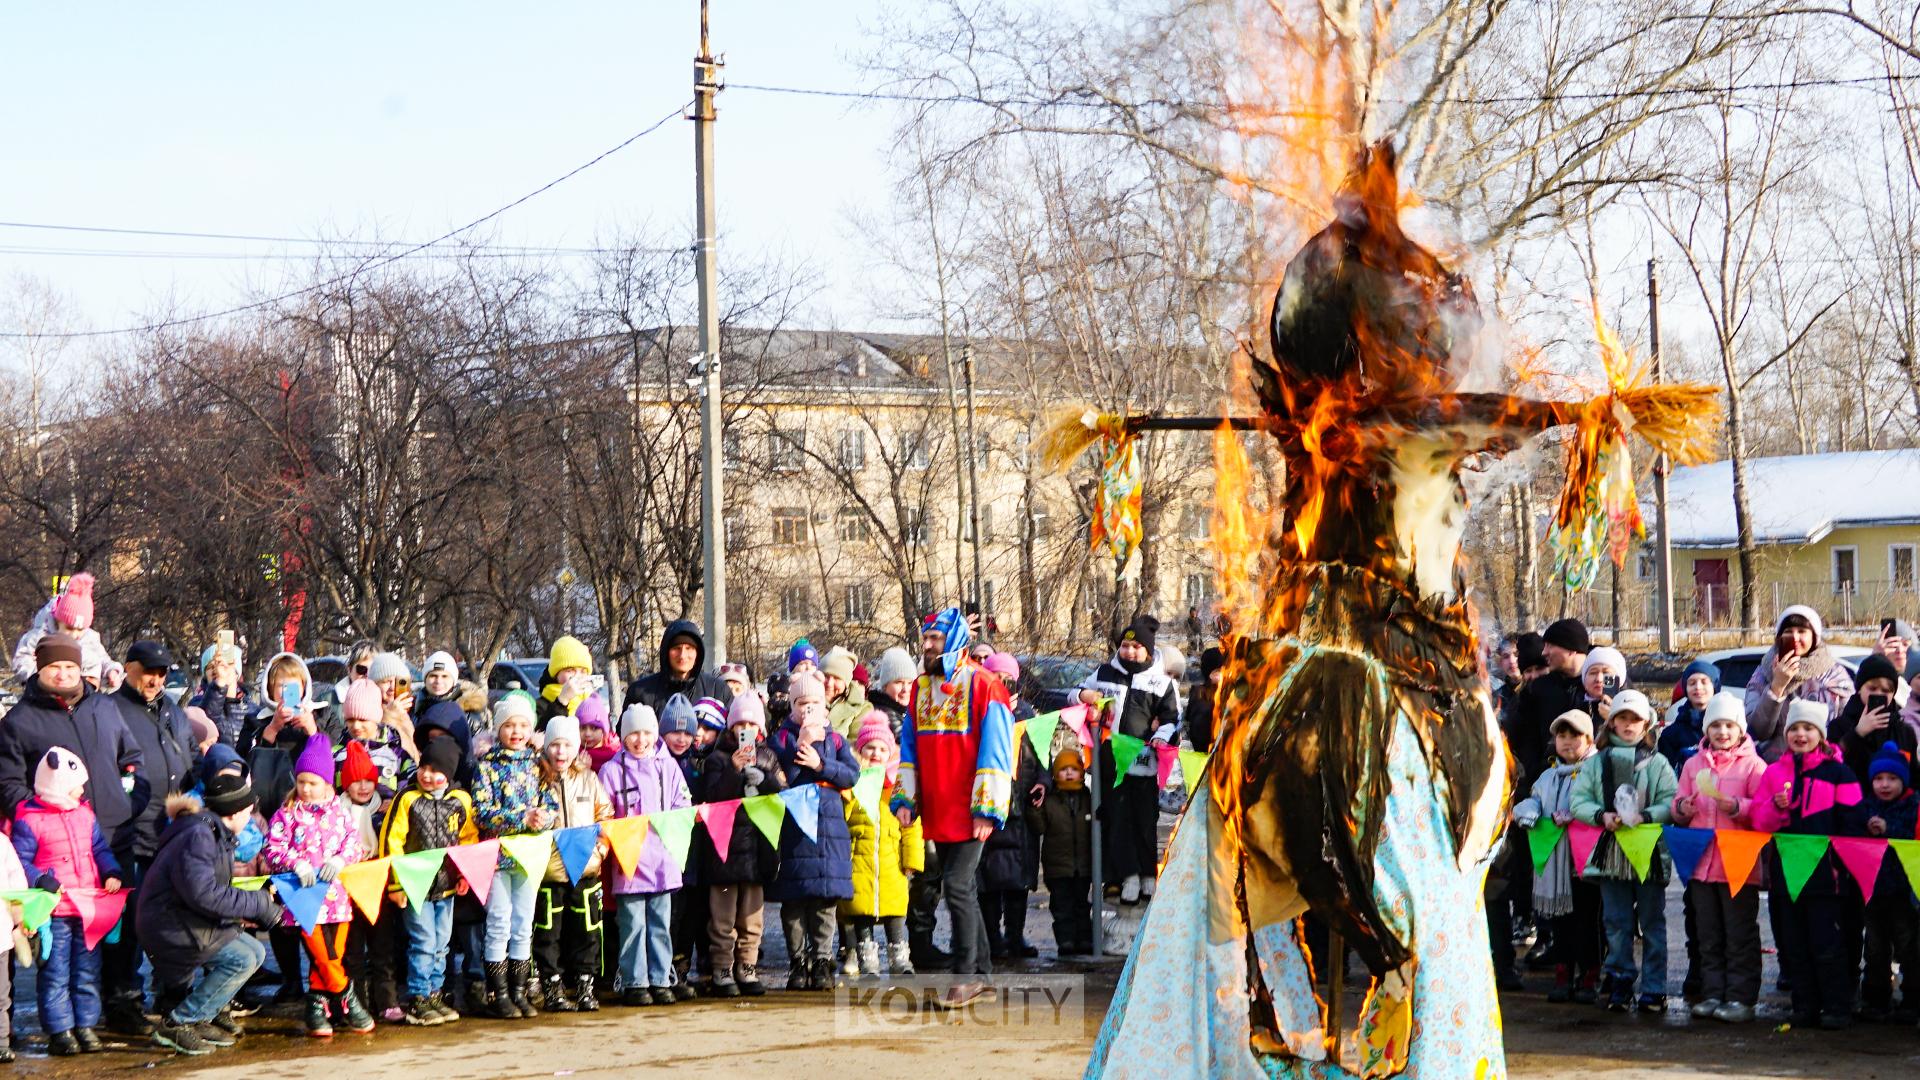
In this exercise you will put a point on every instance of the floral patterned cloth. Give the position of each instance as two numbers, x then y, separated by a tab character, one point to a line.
307	835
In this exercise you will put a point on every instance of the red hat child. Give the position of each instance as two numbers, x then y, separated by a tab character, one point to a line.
358	765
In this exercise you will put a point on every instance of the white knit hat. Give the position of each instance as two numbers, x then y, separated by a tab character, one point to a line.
893	665
1725	705
638	716
1608	655
1802	711
387	665
441	659
563	727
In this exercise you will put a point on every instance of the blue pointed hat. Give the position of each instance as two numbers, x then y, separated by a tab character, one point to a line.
951	622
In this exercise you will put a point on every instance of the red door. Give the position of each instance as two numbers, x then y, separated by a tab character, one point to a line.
1711	600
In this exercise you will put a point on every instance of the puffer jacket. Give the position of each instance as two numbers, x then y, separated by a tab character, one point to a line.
1822	793
1003	862
750	860
645	785
1618	763
506	784
821	868
65	843
92	728
186	908
883	855
418	821
307	835
228	713
1901	817
654	690
1735	775
844	715
1065	824
576	799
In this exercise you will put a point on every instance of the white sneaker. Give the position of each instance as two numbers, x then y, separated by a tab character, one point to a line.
1130	889
1146	887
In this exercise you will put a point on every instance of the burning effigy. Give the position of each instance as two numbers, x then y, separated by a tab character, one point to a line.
1359	777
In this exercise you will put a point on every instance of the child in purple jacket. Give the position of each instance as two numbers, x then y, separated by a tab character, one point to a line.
644	779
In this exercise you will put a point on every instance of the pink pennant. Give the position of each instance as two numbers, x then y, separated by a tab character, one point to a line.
1862	856
1076	721
476	863
1582	837
99	912
718	818
1169	757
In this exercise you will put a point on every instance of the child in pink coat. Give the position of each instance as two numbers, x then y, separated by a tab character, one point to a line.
314	837
1717	787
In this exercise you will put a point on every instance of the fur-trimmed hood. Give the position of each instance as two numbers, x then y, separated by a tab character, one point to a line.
180	805
472	697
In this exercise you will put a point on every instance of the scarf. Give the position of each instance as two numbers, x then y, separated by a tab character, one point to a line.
1613	861
1553	886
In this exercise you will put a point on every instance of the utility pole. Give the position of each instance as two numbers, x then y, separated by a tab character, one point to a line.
706	86
1662	535
973	485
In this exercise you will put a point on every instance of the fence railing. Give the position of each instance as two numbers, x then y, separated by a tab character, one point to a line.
1710	613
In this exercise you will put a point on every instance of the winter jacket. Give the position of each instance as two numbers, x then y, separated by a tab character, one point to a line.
418	821
92	729
1553	893
1736	775
168	755
576	799
1529	723
1197	721
1822	793
883	855
187	908
1683	733
1858	750
307	835
844	715
1003	862
12	878
388	756
1822	679
750	858
1065	824
1142	703
1901	816
1615	764
93	653
654	690
65	843
957	753
229	714
270	761
821	868
647	785
506	784
895	711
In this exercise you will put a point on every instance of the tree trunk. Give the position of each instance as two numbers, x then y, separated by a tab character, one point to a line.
1742	518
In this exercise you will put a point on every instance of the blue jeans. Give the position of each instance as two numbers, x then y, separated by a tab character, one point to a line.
429	936
510	905
1627	907
220	978
646	940
69	984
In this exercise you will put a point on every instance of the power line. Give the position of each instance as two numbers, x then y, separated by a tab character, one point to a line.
376	263
316	241
478	251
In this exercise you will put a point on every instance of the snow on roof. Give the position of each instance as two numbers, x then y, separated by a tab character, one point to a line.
1793	500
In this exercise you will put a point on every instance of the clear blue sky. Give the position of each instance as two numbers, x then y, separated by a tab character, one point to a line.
401	120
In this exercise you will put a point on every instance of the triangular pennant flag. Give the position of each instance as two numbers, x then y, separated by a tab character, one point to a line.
250	884
36	908
1125	749
1542	839
303	902
803	804
1739	850
1076	720
1799	855
1908	852
1193	765
1637	844
1040	731
533	851
576	846
627	836
476	863
718	818
415	872
1687	846
1168	756
866	791
766	812
99	913
1862	856
675	829
1582	836
365	884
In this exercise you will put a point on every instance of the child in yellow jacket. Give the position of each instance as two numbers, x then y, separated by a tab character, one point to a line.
885	857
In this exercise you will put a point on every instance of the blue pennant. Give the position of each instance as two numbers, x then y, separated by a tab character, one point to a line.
303	903
803	809
576	849
1686	846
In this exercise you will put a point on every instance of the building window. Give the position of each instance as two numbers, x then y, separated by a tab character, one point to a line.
852	451
1646	564
988	597
730	448
914	453
1198	525
786	449
1022	447
1199	591
859	599
986	525
1846	570
789	525
1900	567
795	603
1037	518
923	597
851	526
916	526
734	532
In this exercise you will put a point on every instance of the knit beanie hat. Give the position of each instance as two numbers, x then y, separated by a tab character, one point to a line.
388	665
1725	705
1801	611
441	659
358	765
568	652
1569	634
1607	655
734	671
1212	660
1530	651
316	757
638	716
805	687
1876	666
204	729
802	651
1802	711
677	715
227	794
443	755
1069	758
1003	664
74	606
1142	629
1701	667
593	713
709	713
838	663
747	709
893	666
59	774
513	706
1890	760
54	648
362	701
563	728
874	728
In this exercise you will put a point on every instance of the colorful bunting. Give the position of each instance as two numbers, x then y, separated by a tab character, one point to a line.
576	847
1542	839
1076	719
1687	846
1583	837
415	872
866	790
803	804
1040	731
1799	855
628	837
1739	850
99	910
766	812
1193	765
250	884
675	830
36	906
1168	757
1908	852
303	902
365	883
533	851
476	863
1862	857
1637	844
1126	749
718	818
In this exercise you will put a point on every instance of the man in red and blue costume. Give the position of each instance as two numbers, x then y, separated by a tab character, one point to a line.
956	766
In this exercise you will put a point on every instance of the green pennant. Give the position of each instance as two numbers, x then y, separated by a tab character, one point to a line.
1798	856
250	884
36	906
1125	749
675	829
866	790
1542	839
766	812
415	872
1908	852
1637	845
533	851
1040	731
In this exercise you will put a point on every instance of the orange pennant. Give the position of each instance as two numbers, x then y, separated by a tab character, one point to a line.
1739	850
628	835
366	885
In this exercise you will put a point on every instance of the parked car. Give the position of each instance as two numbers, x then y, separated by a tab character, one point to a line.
177	684
1048	682
1738	665
524	673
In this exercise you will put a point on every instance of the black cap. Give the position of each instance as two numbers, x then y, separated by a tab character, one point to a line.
1212	660
1142	629
1530	651
150	655
1569	634
441	754
228	794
